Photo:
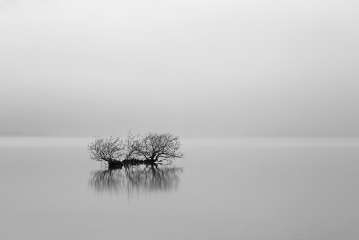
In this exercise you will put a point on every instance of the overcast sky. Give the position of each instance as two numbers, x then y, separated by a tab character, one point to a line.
191	67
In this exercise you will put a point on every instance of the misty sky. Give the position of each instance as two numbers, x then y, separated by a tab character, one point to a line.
191	67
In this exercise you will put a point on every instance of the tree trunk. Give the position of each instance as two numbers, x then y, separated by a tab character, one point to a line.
114	164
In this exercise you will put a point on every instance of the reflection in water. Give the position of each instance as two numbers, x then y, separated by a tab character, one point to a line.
142	178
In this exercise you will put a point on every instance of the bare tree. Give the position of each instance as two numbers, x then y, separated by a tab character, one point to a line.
108	149
151	148
158	147
132	142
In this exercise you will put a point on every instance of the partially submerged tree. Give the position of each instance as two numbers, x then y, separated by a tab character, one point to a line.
132	142
149	149
158	147
108	149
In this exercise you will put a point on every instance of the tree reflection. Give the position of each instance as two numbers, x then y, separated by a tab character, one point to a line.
141	178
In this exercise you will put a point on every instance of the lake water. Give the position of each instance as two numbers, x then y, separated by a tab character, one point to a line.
222	189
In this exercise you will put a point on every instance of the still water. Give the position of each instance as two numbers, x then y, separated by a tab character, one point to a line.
222	189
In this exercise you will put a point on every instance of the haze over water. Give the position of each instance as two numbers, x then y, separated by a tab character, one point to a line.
195	68
228	189
213	72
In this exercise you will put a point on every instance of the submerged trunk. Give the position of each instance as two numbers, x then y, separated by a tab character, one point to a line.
150	161
114	164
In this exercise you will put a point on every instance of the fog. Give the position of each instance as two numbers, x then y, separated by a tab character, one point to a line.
194	68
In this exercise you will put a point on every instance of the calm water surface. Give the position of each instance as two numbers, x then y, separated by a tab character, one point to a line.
222	189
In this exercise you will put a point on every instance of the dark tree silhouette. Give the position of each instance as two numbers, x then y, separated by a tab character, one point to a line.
132	143
108	149
151	148
158	147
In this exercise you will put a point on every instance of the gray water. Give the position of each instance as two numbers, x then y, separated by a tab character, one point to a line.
224	189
